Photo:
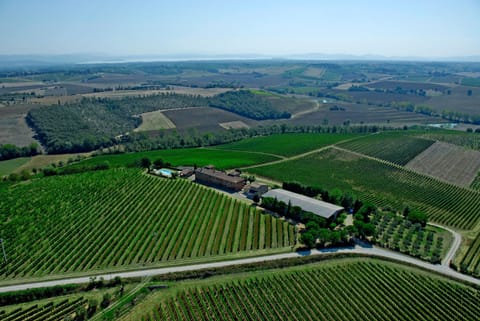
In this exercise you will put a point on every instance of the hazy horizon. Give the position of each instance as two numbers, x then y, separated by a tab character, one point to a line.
426	29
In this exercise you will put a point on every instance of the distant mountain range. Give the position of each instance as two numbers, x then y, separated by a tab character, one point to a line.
24	61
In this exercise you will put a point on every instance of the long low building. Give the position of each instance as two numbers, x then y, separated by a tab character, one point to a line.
308	204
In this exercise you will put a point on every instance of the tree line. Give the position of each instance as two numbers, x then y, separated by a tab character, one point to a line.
10	151
136	142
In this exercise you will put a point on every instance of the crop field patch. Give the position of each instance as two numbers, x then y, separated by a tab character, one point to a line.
407	85
204	119
236	124
448	162
314	72
361	114
381	184
9	166
154	120
355	290
394	147
122	218
287	144
468	140
470	262
458	100
13	128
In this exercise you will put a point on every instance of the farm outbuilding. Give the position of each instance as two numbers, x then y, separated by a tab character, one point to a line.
308	204
257	189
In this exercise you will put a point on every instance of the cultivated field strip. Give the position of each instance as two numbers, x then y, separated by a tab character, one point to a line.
471	261
122	218
382	184
448	162
352	291
476	182
48	312
394	147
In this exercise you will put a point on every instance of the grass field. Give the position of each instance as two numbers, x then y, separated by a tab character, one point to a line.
154	120
287	144
395	147
119	219
9	166
381	184
468	81
188	156
448	162
348	289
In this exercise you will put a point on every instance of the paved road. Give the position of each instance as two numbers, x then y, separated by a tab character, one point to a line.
359	249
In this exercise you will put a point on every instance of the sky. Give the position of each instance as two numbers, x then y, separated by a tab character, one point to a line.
392	28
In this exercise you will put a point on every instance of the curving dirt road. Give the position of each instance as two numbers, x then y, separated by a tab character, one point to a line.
457	241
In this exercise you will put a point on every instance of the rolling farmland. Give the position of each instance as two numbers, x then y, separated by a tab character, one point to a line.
448	162
121	218
398	148
287	144
381	184
345	290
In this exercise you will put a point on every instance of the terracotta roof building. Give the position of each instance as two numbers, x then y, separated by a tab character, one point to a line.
208	175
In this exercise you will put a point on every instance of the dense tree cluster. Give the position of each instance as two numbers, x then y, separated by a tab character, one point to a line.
93	123
248	104
318	231
9	151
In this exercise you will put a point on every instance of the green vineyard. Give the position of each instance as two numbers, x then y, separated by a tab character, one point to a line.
398	148
123	218
287	144
63	310
381	184
355	290
470	263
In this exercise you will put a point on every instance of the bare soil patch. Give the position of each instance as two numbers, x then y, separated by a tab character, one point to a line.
237	124
13	128
448	162
204	119
41	161
154	120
